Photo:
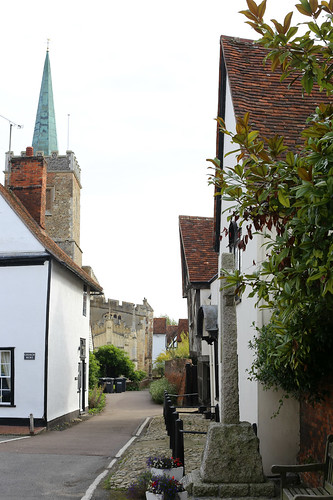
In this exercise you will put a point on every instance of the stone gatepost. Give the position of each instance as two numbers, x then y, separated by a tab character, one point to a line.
231	463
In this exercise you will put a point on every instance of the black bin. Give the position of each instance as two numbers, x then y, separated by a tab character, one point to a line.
107	383
119	384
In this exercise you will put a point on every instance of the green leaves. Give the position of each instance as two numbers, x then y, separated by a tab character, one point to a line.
299	57
288	197
283	198
304	8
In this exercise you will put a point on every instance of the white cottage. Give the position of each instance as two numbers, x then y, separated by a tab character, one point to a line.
246	85
44	309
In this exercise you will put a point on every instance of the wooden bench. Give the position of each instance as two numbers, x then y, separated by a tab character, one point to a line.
289	492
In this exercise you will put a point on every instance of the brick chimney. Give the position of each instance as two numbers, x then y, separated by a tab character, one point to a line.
27	179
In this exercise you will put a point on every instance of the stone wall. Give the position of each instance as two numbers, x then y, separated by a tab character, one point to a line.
63	212
128	326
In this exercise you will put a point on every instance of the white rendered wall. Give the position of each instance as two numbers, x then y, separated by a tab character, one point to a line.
279	437
158	344
23	294
67	326
15	237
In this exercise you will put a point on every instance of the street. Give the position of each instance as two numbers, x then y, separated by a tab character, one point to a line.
63	464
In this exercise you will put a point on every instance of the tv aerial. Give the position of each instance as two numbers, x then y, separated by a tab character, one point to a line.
11	125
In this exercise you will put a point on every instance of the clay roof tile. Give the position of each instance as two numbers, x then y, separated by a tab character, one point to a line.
196	235
274	107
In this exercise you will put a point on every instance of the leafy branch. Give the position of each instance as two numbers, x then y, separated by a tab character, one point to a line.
287	196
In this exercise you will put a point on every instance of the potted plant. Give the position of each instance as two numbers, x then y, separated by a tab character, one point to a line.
165	488
137	490
168	466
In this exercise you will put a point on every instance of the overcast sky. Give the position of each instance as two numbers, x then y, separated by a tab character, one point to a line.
140	82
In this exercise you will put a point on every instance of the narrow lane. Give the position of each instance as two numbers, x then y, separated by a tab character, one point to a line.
63	464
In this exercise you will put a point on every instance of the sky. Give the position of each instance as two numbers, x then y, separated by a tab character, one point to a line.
139	81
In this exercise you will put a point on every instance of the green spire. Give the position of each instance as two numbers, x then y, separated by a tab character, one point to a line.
45	133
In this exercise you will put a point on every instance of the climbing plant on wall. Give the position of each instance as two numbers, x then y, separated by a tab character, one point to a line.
288	196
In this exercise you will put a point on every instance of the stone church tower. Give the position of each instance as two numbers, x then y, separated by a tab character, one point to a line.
62	215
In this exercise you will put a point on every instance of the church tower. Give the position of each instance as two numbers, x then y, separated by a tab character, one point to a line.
62	214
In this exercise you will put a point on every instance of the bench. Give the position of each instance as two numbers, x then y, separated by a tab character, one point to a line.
289	492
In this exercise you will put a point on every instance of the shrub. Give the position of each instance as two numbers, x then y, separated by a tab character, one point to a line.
135	379
138	375
181	351
158	387
94	370
96	400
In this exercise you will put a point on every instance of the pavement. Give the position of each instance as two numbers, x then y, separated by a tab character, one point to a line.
65	463
109	448
18	430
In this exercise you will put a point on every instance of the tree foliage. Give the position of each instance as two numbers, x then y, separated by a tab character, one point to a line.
94	370
114	362
169	321
288	197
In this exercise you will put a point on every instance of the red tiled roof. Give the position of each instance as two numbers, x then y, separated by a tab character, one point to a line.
274	108
45	240
196	234
160	325
182	327
171	333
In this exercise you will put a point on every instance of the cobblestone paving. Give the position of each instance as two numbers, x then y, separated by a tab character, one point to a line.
154	441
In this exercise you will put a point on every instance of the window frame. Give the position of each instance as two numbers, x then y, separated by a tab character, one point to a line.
11	402
85	300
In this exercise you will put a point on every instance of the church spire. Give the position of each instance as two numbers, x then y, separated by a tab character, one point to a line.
45	133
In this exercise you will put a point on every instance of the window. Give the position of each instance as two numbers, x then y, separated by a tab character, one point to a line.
85	294
82	348
7	376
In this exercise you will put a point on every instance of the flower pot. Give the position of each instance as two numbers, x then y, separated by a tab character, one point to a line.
153	496
176	472
182	495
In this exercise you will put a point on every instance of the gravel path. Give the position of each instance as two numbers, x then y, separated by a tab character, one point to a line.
154	441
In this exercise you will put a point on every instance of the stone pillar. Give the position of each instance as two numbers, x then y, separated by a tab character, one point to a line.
229	376
231	463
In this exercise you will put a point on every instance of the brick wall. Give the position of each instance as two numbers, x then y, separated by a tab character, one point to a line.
316	422
175	372
28	181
